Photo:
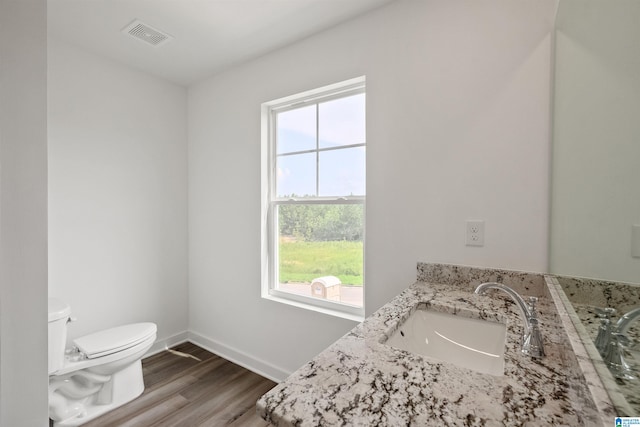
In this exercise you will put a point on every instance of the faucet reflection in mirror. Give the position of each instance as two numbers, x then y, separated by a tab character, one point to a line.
532	343
613	342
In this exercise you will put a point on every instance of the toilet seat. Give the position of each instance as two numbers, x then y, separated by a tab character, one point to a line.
109	341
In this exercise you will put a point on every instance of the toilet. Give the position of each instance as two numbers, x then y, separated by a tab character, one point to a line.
98	372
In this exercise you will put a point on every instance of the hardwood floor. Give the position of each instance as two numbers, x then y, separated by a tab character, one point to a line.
181	391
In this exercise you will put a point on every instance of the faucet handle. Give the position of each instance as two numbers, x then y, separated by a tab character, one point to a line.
604	336
532	307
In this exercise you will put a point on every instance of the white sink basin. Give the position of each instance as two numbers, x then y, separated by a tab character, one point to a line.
470	343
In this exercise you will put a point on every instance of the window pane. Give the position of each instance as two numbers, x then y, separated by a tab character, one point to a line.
342	121
316	241
296	175
342	172
296	130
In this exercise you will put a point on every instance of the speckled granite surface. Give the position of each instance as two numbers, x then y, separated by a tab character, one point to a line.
600	293
360	381
468	278
582	297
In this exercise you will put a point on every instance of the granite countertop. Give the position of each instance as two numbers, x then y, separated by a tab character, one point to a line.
360	381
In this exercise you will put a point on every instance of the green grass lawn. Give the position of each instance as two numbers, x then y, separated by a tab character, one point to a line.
305	261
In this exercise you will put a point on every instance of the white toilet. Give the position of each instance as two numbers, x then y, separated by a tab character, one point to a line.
98	373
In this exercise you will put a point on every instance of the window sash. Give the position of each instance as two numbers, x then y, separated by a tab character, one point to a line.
273	253
310	100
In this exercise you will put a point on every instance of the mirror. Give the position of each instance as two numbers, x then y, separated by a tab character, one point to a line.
595	195
596	140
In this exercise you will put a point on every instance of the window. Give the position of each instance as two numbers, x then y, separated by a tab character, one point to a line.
313	206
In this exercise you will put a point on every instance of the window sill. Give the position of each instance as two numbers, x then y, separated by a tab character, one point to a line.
300	303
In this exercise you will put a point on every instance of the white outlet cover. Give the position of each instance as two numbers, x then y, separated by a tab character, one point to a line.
475	233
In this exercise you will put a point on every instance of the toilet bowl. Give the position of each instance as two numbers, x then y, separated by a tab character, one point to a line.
98	373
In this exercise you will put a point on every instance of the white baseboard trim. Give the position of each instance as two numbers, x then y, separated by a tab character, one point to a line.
267	370
165	343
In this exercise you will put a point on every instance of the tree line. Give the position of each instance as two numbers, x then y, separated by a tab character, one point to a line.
322	222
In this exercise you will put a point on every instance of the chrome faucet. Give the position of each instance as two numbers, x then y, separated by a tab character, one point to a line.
604	330
613	348
532	343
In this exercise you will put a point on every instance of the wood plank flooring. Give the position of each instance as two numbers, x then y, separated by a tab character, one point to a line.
181	391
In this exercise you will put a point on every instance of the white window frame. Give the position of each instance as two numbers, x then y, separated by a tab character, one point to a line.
269	235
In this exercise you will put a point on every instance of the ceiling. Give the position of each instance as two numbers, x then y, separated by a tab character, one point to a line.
208	35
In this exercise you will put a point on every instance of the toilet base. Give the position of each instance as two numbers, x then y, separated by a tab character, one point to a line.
124	386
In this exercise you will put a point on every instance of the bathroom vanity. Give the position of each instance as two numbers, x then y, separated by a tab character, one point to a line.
362	380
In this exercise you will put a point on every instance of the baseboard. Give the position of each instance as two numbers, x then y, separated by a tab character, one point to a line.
238	357
163	344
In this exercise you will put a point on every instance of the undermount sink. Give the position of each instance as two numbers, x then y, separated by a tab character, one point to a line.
466	342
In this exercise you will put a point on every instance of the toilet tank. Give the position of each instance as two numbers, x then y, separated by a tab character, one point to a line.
58	316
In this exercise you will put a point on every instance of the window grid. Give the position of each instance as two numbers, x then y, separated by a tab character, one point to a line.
317	150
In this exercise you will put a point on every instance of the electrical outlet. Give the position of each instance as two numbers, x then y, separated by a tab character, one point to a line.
475	233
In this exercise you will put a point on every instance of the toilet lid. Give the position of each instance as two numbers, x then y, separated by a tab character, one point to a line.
115	339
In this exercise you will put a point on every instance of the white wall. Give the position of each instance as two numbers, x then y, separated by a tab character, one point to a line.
596	165
457	126
117	194
23	213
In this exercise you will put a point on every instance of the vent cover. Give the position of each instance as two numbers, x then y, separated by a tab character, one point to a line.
141	31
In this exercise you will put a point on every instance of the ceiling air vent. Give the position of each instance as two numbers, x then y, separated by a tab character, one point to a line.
141	31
